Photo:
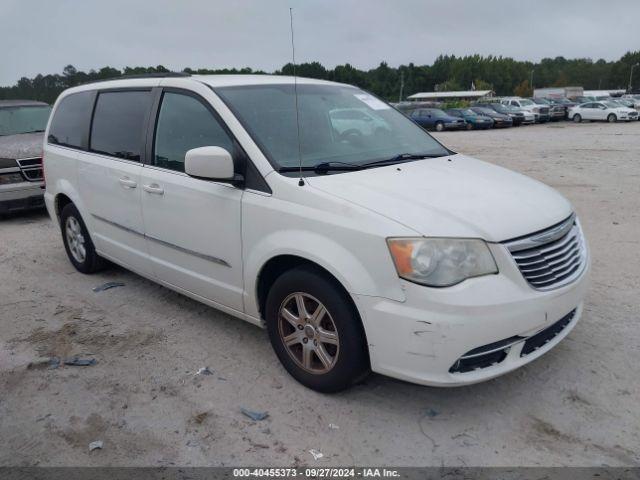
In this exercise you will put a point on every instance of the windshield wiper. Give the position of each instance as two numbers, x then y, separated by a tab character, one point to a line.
33	131
348	167
400	158
323	167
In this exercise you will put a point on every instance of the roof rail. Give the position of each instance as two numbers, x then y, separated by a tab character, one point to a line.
142	75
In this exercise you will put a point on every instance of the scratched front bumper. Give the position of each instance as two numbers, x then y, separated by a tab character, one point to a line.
418	340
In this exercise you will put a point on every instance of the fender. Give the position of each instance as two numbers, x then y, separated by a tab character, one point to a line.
354	276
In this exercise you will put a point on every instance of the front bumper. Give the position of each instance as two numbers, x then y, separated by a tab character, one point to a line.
21	196
422	338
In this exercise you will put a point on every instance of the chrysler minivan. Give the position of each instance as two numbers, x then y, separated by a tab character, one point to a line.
358	248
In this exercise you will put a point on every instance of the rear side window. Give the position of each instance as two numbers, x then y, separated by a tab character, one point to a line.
70	123
118	123
185	123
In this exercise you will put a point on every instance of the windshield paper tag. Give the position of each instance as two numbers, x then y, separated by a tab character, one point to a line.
372	102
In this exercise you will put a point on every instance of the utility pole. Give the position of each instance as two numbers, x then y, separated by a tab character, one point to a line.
531	82
401	86
631	76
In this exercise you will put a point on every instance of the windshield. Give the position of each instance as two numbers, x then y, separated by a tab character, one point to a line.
15	120
613	104
470	113
337	124
524	101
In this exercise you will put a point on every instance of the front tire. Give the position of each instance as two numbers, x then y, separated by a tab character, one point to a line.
612	118
577	118
316	331
77	242
469	126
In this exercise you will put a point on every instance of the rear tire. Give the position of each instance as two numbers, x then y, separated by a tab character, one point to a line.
316	331
78	243
577	118
439	126
469	126
612	118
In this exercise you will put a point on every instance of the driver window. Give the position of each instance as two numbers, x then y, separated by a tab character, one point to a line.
185	123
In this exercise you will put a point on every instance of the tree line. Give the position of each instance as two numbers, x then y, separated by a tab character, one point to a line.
504	75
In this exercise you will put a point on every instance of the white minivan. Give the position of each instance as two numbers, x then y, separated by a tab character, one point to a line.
358	248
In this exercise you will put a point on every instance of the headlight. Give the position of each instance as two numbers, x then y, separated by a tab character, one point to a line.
441	262
7	178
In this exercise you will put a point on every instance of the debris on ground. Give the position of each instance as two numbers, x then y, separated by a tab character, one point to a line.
316	454
431	413
199	418
107	286
333	426
256	416
95	445
204	371
80	362
44	362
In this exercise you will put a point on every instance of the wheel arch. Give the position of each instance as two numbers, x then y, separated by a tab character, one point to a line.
279	264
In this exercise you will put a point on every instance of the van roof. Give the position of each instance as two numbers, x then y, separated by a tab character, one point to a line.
211	80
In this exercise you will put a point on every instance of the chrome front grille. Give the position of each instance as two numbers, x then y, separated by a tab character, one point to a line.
31	168
553	257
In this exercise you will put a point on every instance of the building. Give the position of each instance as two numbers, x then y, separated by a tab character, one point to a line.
444	96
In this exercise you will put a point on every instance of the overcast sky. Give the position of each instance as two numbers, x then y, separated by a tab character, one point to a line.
42	36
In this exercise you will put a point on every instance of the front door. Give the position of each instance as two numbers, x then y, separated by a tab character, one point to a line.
192	226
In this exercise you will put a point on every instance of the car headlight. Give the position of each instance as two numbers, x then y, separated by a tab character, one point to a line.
7	178
441	262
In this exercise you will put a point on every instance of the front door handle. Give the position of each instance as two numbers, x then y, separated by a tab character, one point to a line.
127	182
153	188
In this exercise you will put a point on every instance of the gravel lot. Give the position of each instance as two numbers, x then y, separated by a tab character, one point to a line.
578	405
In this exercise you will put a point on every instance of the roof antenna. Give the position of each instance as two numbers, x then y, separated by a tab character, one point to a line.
295	92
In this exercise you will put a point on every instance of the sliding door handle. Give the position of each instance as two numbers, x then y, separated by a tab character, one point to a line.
153	188
127	182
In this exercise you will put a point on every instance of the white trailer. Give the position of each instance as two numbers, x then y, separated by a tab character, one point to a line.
568	92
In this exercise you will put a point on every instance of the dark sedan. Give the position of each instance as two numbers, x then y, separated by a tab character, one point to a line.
434	118
500	120
515	113
474	120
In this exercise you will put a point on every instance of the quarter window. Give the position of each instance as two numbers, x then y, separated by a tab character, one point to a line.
185	123
119	122
70	123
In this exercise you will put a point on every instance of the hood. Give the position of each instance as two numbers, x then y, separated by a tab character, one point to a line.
23	145
455	196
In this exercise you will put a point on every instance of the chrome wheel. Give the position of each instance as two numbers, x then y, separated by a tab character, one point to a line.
75	239
308	333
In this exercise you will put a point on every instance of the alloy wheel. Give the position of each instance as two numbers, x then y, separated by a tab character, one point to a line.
308	333
75	239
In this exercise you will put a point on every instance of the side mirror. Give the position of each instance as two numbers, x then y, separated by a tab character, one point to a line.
211	163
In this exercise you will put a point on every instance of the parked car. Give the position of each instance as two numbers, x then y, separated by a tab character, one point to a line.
635	98
605	110
436	119
500	120
556	112
387	253
518	115
474	121
565	103
22	124
623	102
540	112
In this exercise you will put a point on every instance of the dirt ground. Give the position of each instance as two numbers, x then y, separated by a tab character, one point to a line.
577	405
